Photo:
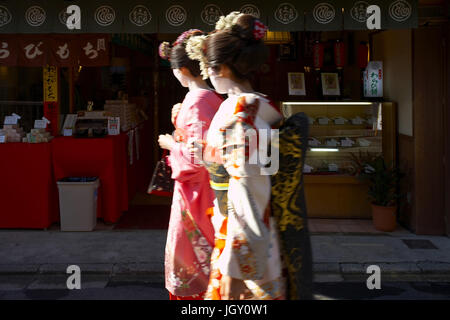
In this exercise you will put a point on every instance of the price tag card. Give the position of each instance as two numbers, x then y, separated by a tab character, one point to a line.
347	143
323	121
340	120
357	121
40	124
67	132
114	125
333	167
332	143
10	120
313	142
2	139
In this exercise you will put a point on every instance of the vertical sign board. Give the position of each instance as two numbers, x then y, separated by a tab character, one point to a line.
51	107
373	80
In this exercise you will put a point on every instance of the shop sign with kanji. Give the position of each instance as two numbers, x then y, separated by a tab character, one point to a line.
55	50
50	84
373	80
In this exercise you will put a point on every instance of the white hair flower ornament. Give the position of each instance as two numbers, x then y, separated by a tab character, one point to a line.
196	46
195	49
229	20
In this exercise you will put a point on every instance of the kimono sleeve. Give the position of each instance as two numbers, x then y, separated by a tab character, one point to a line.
241	138
184	165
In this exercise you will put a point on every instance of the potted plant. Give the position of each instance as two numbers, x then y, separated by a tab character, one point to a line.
383	192
359	160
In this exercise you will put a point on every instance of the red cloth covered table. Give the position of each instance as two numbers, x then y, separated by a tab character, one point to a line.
28	195
103	157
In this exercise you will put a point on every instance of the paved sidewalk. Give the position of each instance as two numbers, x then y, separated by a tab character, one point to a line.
401	257
39	259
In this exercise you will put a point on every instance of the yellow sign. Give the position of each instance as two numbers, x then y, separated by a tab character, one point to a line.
50	84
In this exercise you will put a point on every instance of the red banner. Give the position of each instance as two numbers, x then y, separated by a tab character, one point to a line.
62	52
8	51
318	55
55	50
32	52
51	112
94	51
363	53
339	54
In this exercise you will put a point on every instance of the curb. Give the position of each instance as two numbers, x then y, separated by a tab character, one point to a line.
323	271
112	269
399	271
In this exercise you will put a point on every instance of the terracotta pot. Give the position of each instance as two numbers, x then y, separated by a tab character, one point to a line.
384	218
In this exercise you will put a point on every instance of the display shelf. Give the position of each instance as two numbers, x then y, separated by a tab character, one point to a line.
332	188
336	196
360	127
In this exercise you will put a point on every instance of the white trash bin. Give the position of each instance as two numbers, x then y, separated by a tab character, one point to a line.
78	203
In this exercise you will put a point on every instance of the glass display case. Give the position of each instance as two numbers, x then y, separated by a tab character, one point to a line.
342	135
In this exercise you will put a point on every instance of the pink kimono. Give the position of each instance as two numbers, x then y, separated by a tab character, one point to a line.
190	238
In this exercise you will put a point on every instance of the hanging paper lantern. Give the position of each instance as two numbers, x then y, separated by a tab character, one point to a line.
318	55
363	53
339	54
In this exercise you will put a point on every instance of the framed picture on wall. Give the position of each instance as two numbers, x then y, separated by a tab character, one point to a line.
288	52
330	84
296	84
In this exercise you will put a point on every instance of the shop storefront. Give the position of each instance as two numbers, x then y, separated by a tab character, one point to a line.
113	72
324	62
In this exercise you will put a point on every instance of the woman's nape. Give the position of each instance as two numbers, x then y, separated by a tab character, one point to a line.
225	82
187	80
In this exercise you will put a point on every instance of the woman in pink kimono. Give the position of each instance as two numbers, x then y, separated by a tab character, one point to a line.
190	237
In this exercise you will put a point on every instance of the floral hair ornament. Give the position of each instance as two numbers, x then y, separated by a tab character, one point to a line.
195	49
182	38
229	20
259	30
164	50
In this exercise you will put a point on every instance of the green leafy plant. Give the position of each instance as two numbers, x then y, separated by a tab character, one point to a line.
383	182
360	159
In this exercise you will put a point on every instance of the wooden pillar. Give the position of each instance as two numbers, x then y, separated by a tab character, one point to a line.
156	106
447	123
428	104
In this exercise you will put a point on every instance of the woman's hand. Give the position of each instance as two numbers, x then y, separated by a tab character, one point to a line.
175	110
195	148
233	289
166	141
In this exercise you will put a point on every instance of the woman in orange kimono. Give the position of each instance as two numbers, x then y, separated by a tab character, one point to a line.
246	259
262	246
190	236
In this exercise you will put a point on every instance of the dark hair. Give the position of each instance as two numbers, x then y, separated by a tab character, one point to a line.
179	57
237	48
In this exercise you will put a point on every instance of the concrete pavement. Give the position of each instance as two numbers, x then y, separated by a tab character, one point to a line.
401	257
39	259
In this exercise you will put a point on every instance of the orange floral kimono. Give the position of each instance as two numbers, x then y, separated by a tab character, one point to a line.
246	239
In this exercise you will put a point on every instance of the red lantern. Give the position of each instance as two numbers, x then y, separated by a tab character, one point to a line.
363	53
318	55
339	54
